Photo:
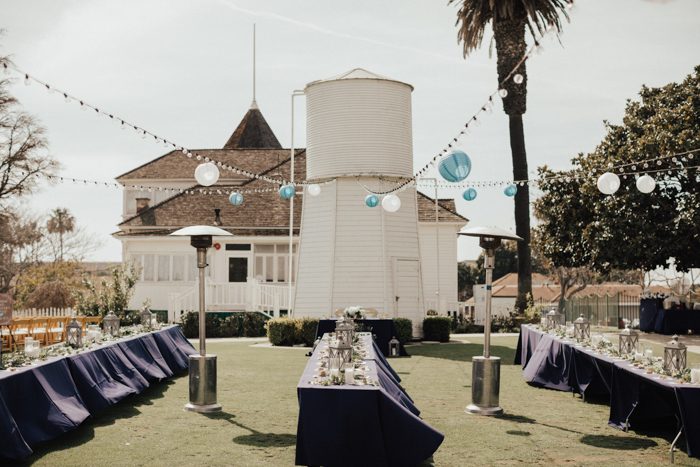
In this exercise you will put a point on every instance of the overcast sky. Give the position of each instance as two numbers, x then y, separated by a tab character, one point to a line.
182	69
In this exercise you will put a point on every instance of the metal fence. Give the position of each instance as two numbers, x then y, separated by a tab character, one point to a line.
606	310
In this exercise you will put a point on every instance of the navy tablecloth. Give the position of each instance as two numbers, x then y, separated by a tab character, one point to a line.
360	425
383	330
39	403
636	398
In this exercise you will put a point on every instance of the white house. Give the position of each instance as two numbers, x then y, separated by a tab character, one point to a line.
349	254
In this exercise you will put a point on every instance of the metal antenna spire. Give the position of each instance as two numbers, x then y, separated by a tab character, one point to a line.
254	105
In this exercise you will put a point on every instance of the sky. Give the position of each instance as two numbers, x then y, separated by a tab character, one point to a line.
183	70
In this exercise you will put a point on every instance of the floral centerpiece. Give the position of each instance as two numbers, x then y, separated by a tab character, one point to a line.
354	312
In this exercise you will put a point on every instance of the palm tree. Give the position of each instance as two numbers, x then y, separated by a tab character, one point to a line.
510	20
60	222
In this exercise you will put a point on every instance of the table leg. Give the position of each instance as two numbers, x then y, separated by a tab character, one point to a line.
673	444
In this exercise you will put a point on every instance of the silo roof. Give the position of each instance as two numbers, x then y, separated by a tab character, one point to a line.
357	73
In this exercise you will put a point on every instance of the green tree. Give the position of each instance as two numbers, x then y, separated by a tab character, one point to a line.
510	20
580	227
60	222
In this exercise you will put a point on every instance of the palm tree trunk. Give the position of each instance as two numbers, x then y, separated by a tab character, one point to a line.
522	209
509	35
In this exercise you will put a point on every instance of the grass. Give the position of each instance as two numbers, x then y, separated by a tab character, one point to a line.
257	388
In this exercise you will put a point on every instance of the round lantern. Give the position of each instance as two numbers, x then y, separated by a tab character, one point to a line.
287	191
646	184
455	167
206	174
608	183
469	194
391	203
313	190
371	201
510	190
236	198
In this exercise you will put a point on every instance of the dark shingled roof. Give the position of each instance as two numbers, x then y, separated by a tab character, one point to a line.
447	212
175	166
260	214
253	132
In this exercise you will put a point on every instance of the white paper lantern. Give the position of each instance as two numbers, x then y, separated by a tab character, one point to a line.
646	184
206	174
391	203
313	190
608	183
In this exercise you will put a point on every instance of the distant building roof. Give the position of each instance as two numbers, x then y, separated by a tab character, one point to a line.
253	132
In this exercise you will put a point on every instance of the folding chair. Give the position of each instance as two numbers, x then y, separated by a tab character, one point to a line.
40	328
54	330
20	328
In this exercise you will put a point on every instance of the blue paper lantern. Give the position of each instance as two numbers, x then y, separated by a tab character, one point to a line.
236	198
372	201
510	190
287	191
469	194
455	167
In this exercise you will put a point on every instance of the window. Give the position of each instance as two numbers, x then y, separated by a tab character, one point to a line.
237	247
179	267
148	267
163	268
271	262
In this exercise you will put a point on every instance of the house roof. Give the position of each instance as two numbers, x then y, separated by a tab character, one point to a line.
253	132
357	73
447	212
176	166
261	212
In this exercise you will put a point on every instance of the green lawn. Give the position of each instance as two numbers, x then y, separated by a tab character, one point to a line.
257	388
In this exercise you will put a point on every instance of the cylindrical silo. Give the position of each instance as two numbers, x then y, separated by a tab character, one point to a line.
359	134
358	123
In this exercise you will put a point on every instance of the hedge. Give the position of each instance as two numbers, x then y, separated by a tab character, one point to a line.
404	329
288	331
239	324
437	328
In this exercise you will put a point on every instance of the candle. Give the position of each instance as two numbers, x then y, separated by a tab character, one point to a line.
638	356
695	375
349	376
335	373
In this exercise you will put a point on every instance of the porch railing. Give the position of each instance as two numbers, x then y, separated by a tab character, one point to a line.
255	296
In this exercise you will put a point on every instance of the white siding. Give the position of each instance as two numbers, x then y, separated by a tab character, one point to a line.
358	126
313	292
348	250
448	264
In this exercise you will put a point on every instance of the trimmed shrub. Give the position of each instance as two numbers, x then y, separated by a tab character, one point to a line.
306	331
404	329
246	324
288	331
437	328
253	325
281	331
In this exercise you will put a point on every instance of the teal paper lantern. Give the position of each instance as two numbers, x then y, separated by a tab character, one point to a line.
469	194
287	191
510	190
236	198
371	201
455	167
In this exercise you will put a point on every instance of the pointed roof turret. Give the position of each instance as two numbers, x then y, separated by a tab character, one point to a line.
253	132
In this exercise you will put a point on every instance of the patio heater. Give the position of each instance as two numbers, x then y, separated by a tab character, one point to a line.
202	367
486	370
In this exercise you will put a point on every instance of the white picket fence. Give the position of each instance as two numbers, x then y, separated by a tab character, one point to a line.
42	312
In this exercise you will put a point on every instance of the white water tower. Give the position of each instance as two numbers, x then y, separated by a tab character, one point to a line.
359	133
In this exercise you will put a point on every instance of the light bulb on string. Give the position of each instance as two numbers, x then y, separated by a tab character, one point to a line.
27	81
503	93
313	189
518	78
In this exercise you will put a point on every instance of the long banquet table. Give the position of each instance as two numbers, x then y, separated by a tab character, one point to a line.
40	402
361	425
635	397
383	330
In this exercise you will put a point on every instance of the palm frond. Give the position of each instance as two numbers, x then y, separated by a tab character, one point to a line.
474	16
